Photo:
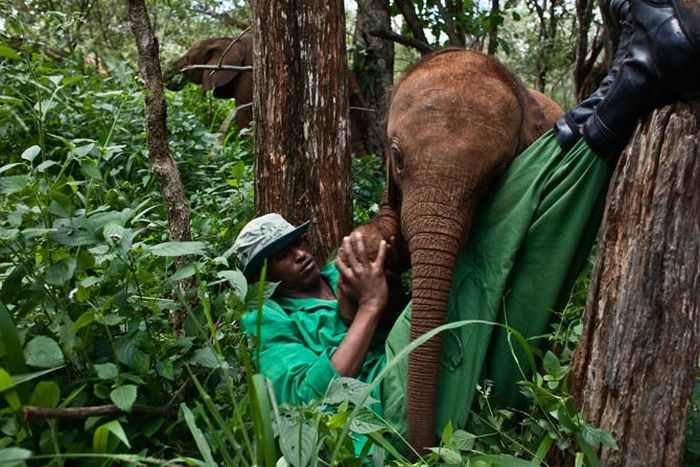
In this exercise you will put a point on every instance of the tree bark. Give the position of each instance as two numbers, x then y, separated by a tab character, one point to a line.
493	27
413	22
302	167
588	69
634	368
373	68
162	163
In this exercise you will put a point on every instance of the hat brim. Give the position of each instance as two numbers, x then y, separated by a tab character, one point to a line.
272	249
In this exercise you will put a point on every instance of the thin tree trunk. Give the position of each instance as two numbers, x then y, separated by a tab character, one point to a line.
373	68
588	69
408	11
634	368
162	163
493	27
302	167
455	39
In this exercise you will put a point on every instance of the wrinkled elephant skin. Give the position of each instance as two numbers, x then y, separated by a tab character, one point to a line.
456	119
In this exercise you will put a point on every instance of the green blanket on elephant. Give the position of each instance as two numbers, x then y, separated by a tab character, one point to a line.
528	243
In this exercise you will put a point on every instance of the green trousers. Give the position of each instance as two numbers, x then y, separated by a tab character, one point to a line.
528	243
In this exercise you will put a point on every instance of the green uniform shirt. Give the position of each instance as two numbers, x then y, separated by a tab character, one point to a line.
298	339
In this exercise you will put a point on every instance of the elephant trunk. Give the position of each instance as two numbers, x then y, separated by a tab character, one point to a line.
434	240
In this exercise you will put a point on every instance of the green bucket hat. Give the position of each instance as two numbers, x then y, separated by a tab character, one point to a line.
263	237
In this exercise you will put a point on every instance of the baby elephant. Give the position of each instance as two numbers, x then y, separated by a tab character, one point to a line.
371	237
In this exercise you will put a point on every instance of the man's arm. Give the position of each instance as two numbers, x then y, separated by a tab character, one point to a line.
365	282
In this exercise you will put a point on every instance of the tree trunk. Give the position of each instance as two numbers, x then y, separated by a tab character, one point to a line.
162	163
634	368
302	167
373	67
493	27
588	69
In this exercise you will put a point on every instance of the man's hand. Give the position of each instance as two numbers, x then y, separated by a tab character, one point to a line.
361	279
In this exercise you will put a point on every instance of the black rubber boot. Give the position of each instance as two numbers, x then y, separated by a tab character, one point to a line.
568	129
662	63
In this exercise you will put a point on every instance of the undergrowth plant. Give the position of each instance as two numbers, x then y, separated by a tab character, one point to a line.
91	371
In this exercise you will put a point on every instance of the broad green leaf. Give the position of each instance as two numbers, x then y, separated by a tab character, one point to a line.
45	165
205	357
111	319
463	440
448	456
165	369
90	281
364	427
179	248
10	457
83	320
129	354
349	389
61	272
13	183
113	232
14	357
11	100
99	440
595	436
446	438
90	170
251	298
124	397
7	167
6	388
61	205
504	460
55	79
45	394
188	270
34	232
43	352
198	436
75	231
83	150
8	52
9	235
298	441
44	106
551	364
106	370
238	282
30	153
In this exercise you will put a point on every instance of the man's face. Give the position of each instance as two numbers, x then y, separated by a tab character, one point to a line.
294	267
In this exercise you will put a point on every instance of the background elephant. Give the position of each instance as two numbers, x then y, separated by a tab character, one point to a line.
225	84
239	84
455	120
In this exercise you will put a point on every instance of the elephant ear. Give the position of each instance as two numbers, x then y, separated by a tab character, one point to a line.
219	80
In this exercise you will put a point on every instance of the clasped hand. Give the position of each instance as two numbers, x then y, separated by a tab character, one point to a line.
361	279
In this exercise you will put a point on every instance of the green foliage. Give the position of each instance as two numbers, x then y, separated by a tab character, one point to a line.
86	268
88	283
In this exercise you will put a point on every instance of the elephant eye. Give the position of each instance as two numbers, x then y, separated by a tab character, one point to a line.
397	157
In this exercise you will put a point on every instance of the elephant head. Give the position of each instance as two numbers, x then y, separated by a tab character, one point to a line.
226	84
455	119
239	84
